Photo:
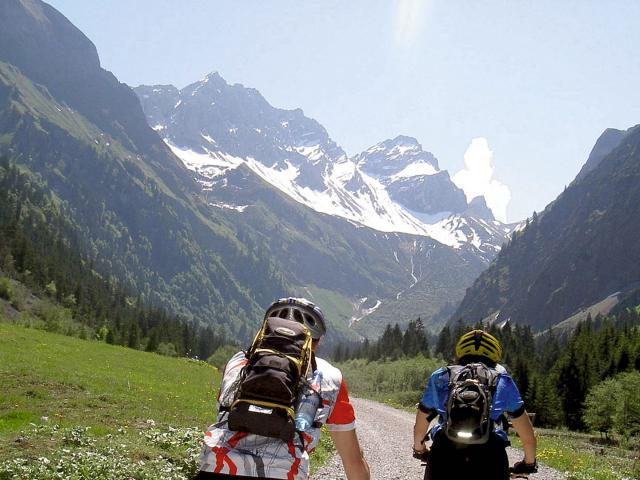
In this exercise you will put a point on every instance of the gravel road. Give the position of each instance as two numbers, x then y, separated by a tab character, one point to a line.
386	436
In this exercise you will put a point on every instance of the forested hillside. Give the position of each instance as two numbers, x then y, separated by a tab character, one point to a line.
40	253
73	125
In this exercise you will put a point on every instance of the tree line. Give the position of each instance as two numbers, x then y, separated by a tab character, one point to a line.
392	344
555	372
560	374
40	250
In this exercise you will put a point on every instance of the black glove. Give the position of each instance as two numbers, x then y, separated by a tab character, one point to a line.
421	455
524	467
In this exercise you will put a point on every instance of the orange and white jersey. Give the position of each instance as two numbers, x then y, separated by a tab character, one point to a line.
246	454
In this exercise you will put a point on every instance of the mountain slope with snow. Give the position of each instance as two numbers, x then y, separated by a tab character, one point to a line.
394	186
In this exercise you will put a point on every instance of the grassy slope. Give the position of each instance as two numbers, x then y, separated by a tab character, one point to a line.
582	459
337	308
104	403
72	381
112	412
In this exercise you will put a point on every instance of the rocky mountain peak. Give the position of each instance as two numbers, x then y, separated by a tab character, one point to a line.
605	144
213	116
478	208
394	186
394	155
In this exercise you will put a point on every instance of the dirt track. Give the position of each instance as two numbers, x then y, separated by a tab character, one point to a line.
386	437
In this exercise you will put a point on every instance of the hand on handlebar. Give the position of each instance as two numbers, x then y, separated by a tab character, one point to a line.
421	454
524	467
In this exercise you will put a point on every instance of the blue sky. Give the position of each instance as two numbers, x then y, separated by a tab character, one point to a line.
534	82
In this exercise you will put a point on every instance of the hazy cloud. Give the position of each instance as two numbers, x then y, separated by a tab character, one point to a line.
409	19
477	178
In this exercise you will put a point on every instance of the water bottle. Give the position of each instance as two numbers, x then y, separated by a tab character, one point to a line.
309	403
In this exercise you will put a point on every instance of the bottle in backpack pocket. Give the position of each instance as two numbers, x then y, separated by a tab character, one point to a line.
309	403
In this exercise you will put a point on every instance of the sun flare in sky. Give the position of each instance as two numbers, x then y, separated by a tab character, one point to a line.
409	21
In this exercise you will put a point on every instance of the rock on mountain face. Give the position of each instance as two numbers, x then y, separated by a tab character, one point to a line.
391	157
211	115
412	177
478	209
394	186
583	248
609	140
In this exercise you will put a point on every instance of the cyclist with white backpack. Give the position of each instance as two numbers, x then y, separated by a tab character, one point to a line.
469	400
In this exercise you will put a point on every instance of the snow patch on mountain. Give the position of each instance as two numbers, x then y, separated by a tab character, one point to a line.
364	311
206	165
227	206
394	186
415	169
370	205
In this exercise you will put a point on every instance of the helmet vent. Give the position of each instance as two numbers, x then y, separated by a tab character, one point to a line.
310	320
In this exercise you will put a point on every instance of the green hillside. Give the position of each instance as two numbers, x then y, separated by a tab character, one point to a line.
72	124
86	408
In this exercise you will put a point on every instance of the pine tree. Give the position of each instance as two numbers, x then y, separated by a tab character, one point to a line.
443	346
133	340
152	342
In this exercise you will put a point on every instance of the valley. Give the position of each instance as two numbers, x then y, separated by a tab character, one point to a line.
143	231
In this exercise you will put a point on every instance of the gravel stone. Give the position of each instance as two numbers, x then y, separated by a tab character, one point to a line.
386	436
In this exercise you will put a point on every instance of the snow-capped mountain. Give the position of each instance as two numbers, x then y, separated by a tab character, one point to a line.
394	186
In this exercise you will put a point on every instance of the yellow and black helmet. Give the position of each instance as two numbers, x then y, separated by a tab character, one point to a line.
479	343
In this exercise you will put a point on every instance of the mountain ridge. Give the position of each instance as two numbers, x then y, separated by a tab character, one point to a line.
164	247
394	186
582	248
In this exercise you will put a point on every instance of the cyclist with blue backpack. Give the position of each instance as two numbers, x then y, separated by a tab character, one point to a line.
469	399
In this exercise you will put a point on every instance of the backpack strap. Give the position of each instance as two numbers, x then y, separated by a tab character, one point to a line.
492	376
453	371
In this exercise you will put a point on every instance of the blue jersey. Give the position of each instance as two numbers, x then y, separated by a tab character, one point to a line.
505	399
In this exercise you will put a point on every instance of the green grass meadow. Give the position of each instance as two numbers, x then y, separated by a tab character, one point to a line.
78	410
68	403
583	458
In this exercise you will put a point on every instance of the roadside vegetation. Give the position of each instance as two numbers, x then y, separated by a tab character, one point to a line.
582	385
399	383
586	456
